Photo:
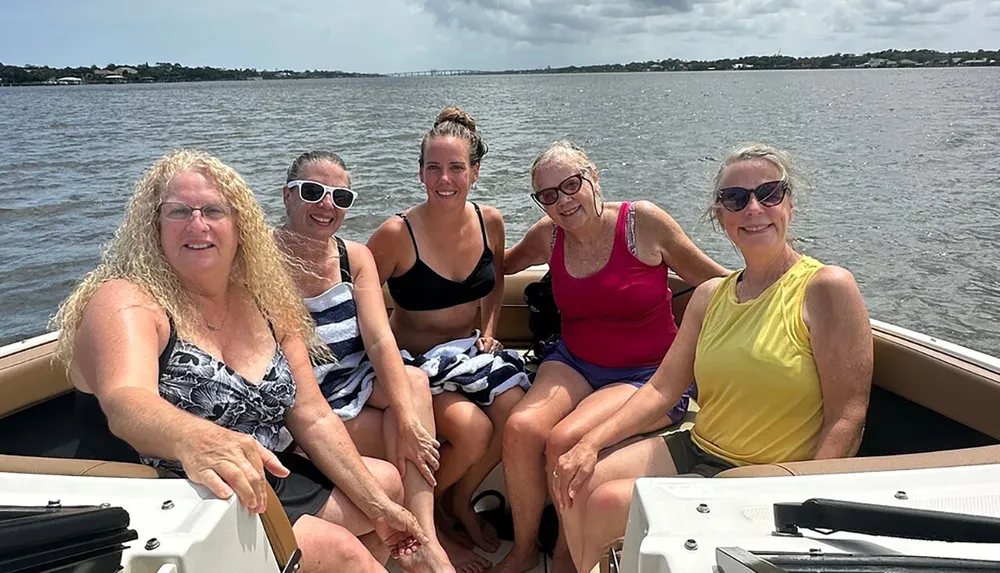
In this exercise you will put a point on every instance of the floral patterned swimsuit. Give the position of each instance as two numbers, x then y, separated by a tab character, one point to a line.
198	383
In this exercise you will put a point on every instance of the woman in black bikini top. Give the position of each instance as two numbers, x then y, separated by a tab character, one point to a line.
443	263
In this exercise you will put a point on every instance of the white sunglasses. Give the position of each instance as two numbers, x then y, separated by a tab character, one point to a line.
313	192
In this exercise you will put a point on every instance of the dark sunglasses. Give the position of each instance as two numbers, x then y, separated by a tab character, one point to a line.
768	194
569	186
313	192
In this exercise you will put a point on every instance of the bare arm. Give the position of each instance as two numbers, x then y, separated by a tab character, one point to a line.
116	353
383	245
841	337
373	321
657	232
416	442
533	249
490	305
324	438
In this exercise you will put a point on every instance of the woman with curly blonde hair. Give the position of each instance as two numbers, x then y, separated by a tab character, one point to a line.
188	348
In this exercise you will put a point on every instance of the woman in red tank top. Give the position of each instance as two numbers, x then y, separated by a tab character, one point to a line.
609	266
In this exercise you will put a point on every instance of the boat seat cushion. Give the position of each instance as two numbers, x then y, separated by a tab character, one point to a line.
962	457
48	379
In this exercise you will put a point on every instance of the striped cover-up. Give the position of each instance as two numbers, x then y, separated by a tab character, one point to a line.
347	383
458	366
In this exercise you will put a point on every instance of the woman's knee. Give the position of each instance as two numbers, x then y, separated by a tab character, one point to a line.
610	500
561	439
466	427
420	385
523	431
387	476
326	546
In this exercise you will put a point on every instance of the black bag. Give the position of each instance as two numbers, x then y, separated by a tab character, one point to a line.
80	539
543	319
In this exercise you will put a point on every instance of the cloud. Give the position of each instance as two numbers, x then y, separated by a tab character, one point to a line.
403	35
543	22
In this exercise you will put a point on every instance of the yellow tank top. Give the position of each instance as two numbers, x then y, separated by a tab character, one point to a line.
758	387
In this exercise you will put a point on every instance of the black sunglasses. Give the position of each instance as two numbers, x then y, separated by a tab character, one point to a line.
768	194
569	186
313	192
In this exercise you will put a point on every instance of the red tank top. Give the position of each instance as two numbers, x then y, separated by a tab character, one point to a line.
621	315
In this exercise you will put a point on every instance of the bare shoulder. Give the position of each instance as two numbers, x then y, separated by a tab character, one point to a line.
118	295
833	298
391	227
491	214
702	296
649	214
359	254
706	290
387	236
123	315
492	218
832	282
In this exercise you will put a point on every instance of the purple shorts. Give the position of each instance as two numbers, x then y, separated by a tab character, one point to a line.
601	376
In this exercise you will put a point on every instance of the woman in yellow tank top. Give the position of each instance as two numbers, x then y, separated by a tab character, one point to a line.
781	352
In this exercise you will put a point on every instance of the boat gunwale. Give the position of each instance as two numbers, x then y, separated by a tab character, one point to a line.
957	351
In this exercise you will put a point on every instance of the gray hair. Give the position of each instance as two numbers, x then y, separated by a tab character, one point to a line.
569	153
790	172
297	166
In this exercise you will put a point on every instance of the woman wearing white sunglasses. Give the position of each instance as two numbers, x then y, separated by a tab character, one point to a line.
385	405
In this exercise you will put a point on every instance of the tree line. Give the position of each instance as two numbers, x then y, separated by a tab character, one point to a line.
160	72
173	72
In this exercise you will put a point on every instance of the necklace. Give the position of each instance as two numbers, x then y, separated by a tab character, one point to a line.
229	301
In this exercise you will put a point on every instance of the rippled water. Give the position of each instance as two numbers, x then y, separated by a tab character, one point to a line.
905	165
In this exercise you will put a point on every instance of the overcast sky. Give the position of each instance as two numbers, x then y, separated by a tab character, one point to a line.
407	35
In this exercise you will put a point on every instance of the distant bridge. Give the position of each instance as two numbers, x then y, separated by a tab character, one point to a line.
437	73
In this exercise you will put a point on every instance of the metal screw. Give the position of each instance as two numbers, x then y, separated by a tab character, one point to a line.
167	505
152	544
815	551
702	508
901	495
55	503
690	545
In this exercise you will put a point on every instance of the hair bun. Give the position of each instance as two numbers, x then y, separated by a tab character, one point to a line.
456	115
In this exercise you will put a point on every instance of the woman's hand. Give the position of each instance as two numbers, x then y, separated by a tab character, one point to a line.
399	531
416	444
225	462
488	344
573	469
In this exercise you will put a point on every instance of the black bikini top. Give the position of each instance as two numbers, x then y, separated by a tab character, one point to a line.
420	288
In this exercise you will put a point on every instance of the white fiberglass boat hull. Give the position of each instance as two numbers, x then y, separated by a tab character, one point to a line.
668	532
185	527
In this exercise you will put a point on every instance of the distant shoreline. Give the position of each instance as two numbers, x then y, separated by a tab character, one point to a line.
163	72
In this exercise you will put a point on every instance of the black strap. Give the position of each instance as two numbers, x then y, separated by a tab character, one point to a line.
482	225
345	262
412	236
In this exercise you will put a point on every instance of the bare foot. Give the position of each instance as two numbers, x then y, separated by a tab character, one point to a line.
517	561
431	558
465	560
482	533
450	527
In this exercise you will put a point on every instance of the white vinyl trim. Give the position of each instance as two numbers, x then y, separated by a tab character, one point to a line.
22	345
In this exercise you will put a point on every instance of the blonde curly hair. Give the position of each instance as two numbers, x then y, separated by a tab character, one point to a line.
135	255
